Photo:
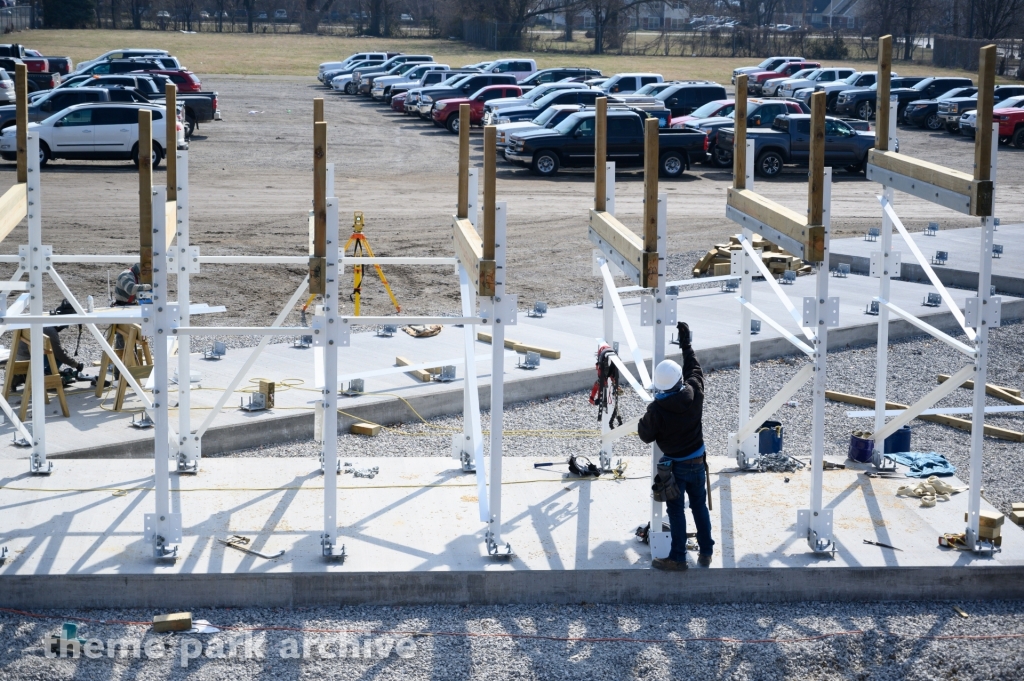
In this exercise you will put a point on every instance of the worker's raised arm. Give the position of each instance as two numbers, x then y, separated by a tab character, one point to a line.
693	375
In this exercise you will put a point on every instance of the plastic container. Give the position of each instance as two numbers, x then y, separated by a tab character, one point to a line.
861	449
769	438
898	442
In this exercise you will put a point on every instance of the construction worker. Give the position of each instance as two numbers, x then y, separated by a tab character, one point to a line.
127	286
673	420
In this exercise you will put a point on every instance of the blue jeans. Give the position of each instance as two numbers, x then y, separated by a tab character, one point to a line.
690	479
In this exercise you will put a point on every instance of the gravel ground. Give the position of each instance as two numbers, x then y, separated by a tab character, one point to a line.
556	427
804	640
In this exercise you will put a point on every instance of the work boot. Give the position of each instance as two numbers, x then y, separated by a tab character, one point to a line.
704	560
669	565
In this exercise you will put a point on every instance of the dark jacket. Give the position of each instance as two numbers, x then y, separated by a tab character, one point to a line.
675	421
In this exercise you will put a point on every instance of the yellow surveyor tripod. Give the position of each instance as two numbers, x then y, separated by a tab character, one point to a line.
360	245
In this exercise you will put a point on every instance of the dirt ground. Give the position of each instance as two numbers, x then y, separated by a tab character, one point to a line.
251	188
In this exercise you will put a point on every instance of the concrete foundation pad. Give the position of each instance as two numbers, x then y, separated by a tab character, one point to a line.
93	430
413	535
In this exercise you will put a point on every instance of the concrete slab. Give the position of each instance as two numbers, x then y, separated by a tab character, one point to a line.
961	269
420	516
95	431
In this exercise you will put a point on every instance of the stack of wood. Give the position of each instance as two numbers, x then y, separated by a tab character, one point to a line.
778	260
989	526
1017	514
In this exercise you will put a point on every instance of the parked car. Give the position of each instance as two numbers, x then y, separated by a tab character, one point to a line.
720	108
854	81
361	78
91	132
446	111
1010	117
328	66
551	117
862	102
428	79
342	77
6	88
683	99
52	102
115	66
812	79
460	88
951	110
788	141
770	87
411	73
627	83
570	144
756	80
761	113
528	98
61	65
280	15
36	81
125	53
520	68
769	64
556	74
528	112
186	81
924	113
412	94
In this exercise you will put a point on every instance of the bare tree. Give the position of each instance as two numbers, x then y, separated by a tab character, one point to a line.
996	18
313	13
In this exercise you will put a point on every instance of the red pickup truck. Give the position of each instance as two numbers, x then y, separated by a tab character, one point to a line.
446	111
1011	122
756	80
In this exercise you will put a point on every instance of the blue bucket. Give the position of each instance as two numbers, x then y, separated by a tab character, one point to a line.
769	438
861	449
898	442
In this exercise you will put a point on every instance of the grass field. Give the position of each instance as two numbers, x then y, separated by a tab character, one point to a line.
293	54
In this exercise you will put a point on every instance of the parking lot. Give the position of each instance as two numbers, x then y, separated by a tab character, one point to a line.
251	186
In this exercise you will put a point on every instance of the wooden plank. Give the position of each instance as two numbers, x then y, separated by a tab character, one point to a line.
369	429
13	208
318	109
650	186
317	264
543	352
619	237
739	144
463	205
420	374
601	154
176	621
951	421
145	197
983	137
469	250
490	189
781	219
816	164
21	119
487	338
171	143
171	224
882	98
990	388
953	180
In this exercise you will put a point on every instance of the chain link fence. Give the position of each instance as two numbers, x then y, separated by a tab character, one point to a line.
17	18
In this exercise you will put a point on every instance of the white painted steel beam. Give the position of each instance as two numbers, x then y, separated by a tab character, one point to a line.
936	394
929	329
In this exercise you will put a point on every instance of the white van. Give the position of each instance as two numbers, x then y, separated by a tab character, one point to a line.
520	68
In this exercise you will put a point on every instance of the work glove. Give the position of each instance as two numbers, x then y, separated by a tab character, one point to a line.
683	330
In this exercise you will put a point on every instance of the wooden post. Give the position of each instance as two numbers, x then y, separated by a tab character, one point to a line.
651	185
739	138
146	196
21	118
601	154
983	136
490	189
816	164
318	110
463	207
171	143
317	261
884	76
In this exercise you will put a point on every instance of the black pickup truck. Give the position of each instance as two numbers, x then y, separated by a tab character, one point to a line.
788	141
36	81
570	144
861	103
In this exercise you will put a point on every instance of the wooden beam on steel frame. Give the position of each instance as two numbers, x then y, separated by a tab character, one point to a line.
463	206
318	261
601	154
13	208
171	143
145	196
651	156
739	140
490	188
986	95
816	164
883	78
21	119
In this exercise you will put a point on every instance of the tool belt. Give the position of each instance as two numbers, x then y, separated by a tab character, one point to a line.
664	487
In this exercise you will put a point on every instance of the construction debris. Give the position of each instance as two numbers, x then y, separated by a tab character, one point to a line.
778	463
370	429
175	621
360	472
1017	513
717	260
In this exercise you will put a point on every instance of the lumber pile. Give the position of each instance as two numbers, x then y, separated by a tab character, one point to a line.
1017	514
989	526
716	261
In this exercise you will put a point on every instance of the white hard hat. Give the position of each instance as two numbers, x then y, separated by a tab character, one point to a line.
666	375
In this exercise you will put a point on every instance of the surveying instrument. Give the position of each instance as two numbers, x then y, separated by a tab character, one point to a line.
361	248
